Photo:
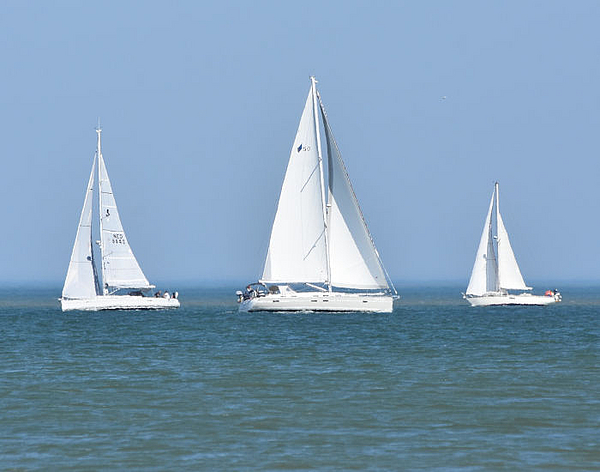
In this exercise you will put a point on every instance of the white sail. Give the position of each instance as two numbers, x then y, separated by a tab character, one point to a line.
484	276
81	280
120	268
297	248
353	258
509	275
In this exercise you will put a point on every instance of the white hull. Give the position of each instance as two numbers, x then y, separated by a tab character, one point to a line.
320	301
508	299
118	302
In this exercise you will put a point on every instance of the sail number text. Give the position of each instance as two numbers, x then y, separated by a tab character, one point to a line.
118	238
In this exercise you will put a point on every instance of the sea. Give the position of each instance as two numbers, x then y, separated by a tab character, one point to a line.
437	386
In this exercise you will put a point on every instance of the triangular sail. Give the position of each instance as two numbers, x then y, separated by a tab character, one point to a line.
353	259
509	275
81	280
120	269
484	277
297	249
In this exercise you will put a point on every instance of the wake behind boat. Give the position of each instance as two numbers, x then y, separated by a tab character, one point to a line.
492	276
125	287
321	255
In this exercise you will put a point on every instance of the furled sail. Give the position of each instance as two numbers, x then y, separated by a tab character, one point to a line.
297	249
120	269
484	277
509	275
81	280
353	259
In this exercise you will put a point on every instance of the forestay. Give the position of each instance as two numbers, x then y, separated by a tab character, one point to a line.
81	280
484	277
297	248
120	268
353	258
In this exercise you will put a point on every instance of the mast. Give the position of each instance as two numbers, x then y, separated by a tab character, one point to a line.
497	200
497	237
99	155
93	262
320	157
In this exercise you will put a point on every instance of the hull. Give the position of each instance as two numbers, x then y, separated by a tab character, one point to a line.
321	302
118	302
522	299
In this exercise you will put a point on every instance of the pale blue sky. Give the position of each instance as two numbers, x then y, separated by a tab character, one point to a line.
200	101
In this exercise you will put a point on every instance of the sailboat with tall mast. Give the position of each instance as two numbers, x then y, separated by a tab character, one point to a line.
496	278
124	285
321	255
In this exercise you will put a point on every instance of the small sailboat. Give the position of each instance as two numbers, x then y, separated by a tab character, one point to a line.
496	271
321	255
124	285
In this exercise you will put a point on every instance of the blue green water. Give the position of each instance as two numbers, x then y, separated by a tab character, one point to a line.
437	385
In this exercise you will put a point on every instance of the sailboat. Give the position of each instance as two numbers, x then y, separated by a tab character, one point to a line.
124	285
321	255
496	275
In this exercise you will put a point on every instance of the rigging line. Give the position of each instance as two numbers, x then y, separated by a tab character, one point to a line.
309	177
314	245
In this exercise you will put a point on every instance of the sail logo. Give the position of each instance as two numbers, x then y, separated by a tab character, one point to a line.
302	147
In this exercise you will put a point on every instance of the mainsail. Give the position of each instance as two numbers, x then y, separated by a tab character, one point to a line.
484	277
120	268
81	280
297	249
353	258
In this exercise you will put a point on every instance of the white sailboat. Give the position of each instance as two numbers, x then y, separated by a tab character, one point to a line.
124	285
321	255
493	277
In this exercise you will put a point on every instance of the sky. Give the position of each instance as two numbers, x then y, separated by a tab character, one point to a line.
200	102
